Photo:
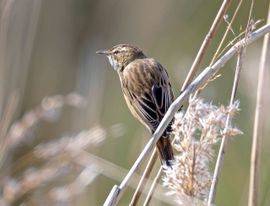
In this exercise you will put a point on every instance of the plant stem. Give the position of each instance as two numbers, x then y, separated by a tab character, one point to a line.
221	153
226	32
146	174
207	40
258	123
152	188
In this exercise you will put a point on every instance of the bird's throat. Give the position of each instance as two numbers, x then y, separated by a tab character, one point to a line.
115	65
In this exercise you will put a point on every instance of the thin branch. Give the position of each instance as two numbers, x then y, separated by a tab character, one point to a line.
152	188
226	32
224	140
258	123
205	75
146	174
239	36
195	66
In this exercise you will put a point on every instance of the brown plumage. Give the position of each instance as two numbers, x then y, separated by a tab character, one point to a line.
146	88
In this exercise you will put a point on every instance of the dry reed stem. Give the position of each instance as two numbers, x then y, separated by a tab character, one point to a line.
152	188
258	123
224	140
146	174
232	42
207	40
226	32
205	75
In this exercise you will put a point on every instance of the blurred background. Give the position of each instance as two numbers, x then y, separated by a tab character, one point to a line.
66	134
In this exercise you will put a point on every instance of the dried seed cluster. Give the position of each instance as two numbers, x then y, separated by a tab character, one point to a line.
196	131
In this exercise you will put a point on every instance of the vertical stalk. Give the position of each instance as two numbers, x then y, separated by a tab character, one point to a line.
221	153
145	176
258	123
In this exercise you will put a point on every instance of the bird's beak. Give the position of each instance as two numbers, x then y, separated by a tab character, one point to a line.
106	52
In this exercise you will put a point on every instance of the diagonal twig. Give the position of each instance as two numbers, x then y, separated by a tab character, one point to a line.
146	174
152	188
205	75
195	66
226	32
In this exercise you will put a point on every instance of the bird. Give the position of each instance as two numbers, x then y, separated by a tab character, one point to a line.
147	91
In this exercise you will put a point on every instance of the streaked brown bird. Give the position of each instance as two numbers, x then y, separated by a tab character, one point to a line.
147	90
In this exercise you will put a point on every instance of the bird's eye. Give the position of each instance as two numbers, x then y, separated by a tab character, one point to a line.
116	51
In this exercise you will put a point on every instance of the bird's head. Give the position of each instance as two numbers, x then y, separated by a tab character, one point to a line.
121	55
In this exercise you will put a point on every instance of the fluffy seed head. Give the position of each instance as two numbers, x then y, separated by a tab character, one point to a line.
196	132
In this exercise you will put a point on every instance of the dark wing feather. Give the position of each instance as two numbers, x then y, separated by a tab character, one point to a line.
157	93
145	110
162	96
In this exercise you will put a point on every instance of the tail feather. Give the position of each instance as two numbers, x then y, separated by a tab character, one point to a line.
165	151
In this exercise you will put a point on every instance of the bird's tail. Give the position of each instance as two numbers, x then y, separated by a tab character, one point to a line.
165	151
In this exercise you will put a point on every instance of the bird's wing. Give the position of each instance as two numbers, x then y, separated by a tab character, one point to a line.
162	93
148	109
162	99
151	97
